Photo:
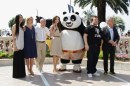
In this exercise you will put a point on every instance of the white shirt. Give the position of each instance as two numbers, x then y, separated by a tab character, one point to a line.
111	33
41	33
20	39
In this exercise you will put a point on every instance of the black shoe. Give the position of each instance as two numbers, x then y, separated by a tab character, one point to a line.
113	73
105	73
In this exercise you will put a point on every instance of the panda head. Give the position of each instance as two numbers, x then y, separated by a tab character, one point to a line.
71	20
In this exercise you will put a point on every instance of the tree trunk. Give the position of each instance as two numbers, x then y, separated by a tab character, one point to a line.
101	9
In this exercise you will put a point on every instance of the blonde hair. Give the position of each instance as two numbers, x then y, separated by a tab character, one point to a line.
27	19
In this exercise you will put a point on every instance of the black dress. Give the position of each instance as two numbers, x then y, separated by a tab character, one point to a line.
18	64
30	49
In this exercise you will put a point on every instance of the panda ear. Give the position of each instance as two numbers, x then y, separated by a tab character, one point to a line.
64	13
77	13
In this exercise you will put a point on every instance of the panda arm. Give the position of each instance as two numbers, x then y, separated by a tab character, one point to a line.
62	27
81	29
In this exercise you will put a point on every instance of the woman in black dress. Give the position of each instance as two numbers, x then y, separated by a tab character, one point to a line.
18	45
30	44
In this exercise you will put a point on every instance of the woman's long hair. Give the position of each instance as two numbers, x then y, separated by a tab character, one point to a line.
17	24
59	24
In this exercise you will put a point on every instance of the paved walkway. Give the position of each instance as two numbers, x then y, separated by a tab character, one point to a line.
68	78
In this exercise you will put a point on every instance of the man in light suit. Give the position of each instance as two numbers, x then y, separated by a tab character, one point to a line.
41	35
109	46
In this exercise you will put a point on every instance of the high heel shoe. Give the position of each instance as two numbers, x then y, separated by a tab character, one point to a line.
32	73
28	72
55	71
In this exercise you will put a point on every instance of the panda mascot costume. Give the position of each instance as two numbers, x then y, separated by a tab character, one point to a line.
72	41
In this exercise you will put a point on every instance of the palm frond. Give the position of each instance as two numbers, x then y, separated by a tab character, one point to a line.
82	3
124	7
118	5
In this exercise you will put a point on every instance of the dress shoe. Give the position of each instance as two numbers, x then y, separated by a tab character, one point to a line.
105	73
113	73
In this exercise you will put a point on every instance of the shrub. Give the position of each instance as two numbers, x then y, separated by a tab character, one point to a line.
6	55
10	55
3	55
48	53
101	55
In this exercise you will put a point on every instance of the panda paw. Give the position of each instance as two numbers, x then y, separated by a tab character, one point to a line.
77	68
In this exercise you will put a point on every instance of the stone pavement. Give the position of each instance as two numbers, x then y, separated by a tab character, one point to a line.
67	78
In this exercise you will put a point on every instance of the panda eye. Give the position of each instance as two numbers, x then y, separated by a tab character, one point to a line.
65	19
73	18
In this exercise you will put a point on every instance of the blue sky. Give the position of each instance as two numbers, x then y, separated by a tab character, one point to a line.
46	8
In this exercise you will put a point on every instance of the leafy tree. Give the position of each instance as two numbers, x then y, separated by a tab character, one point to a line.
11	22
88	15
119	22
116	5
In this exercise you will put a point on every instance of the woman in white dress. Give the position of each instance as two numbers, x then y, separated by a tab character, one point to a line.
18	45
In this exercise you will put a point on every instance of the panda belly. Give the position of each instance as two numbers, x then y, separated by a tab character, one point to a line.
72	40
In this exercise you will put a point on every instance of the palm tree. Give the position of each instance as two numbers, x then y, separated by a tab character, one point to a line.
116	5
11	22
119	23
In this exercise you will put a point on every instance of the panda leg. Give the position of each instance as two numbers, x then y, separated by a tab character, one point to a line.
76	67
63	63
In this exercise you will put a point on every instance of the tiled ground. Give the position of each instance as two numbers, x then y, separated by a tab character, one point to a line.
68	78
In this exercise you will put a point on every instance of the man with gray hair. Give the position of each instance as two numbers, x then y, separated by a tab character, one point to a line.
109	47
41	34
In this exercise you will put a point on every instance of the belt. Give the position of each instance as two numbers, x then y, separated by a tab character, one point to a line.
56	36
41	41
75	51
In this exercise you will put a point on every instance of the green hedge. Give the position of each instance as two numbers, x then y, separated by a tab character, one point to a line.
48	53
101	55
6	55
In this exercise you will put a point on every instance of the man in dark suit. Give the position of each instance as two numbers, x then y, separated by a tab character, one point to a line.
109	46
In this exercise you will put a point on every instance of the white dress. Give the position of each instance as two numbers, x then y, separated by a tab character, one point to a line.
56	47
20	39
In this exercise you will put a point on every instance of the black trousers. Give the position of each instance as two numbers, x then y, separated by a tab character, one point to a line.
64	61
18	64
92	58
108	51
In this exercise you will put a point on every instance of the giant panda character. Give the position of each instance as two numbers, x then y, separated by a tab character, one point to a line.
72	41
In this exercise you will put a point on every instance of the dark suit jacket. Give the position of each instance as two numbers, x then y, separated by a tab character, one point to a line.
106	33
